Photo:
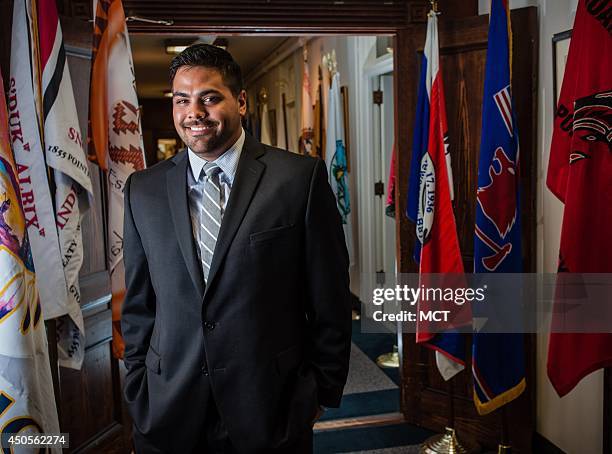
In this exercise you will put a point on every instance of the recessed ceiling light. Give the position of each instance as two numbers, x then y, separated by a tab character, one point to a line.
176	46
176	49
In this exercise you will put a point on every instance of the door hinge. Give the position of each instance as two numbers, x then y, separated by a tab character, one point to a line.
377	97
379	188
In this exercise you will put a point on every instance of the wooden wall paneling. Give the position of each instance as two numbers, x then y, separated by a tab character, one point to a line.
405	87
316	16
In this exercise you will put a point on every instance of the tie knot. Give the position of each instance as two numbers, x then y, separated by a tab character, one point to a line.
210	169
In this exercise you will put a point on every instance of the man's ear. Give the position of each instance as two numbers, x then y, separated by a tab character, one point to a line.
242	102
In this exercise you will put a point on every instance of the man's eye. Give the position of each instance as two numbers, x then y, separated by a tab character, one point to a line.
180	101
211	99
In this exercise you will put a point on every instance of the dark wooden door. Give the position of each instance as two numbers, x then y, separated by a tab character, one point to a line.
463	54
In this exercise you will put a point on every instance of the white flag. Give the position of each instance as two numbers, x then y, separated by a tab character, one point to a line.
335	159
48	108
115	132
266	137
73	189
27	401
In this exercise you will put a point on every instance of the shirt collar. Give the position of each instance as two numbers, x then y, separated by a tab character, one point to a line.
227	162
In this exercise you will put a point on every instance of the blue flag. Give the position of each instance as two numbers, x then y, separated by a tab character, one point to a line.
498	364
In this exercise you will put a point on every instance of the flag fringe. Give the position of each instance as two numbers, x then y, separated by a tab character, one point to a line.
484	408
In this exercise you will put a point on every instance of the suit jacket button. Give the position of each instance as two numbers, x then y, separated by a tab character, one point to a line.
205	371
209	325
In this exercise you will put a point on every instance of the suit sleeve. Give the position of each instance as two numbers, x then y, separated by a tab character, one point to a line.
328	293
138	312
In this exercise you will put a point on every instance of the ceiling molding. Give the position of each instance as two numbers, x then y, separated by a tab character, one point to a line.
286	49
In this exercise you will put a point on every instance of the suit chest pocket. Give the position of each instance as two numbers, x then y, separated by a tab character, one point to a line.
271	236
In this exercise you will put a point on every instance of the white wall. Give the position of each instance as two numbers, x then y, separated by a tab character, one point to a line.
574	422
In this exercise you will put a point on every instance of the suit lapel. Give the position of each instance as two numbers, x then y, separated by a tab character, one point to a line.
176	180
247	177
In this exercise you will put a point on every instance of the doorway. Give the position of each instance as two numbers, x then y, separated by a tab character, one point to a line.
273	70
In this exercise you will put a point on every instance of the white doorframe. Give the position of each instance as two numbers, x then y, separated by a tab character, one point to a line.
366	67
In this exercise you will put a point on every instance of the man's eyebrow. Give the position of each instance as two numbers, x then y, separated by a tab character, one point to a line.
180	94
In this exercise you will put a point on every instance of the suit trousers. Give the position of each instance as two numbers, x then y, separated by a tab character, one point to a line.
215	439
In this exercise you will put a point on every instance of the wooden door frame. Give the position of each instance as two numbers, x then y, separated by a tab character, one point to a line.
406	40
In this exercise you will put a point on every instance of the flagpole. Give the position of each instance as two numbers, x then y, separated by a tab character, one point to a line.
285	121
447	442
504	446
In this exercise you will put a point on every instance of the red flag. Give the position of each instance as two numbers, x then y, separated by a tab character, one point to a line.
430	207
440	252
579	174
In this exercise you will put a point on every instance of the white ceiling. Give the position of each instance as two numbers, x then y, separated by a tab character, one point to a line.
151	62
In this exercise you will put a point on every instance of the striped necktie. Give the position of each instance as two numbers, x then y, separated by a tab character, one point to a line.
208	201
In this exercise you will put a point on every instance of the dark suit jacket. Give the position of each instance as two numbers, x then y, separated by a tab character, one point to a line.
269	336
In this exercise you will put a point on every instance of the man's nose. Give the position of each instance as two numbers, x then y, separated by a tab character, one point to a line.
198	111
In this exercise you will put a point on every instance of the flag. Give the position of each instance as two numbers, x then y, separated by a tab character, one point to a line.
266	137
318	136
115	137
498	365
281	133
41	96
390	202
335	160
306	135
437	245
73	189
579	174
27	401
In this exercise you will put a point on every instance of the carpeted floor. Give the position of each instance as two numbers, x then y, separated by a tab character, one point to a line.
397	438
370	390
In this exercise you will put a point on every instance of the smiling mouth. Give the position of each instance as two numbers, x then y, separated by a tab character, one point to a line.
199	129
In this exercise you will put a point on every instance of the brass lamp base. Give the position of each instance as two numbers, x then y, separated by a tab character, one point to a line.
446	443
389	360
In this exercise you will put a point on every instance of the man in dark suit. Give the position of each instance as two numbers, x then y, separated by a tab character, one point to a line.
237	313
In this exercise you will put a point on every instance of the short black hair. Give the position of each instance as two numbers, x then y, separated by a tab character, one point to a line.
214	57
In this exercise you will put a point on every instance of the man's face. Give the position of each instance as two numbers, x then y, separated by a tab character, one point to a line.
206	113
